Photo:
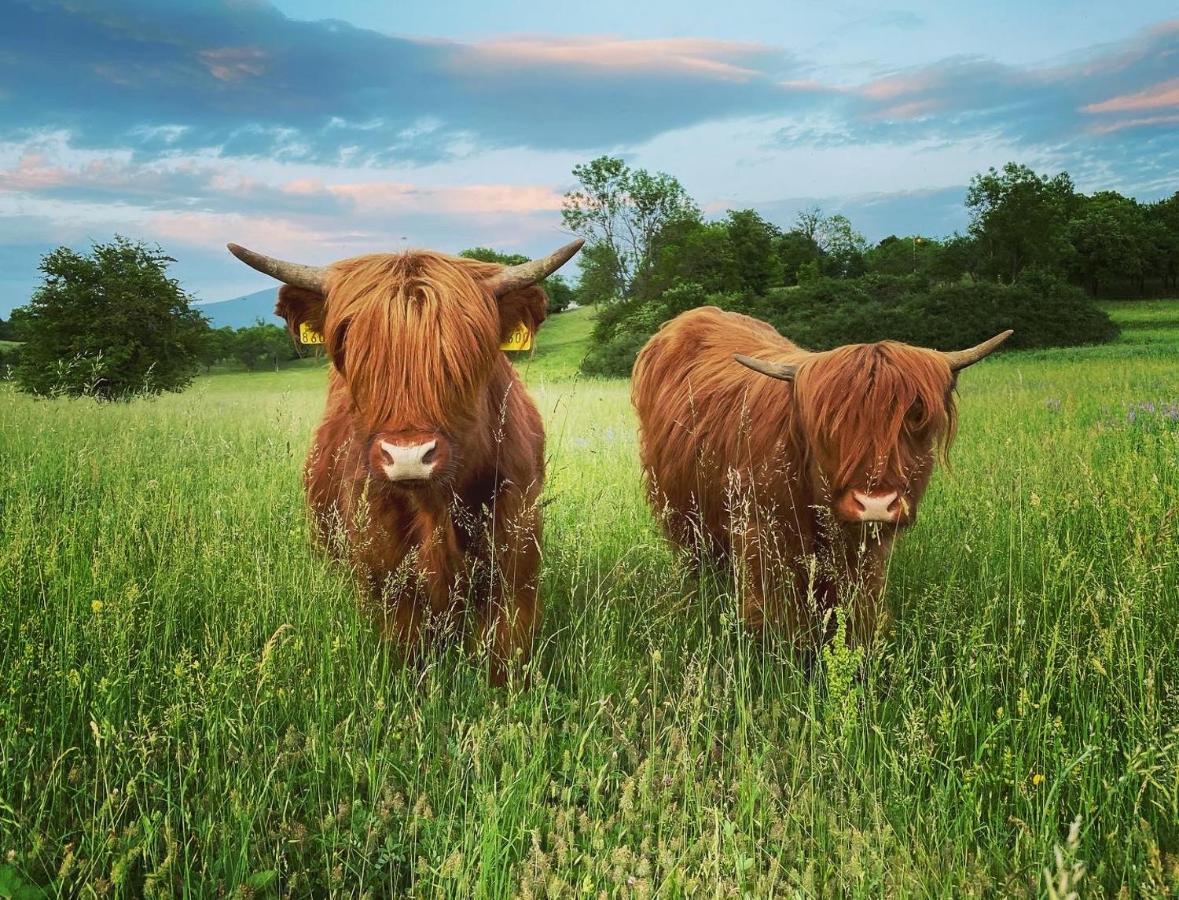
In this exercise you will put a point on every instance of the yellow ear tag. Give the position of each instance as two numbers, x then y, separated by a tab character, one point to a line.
519	339
308	335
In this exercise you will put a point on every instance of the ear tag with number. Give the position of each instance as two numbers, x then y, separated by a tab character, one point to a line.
519	339
308	335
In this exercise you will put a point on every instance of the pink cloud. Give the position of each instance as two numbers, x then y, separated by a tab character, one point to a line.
1123	124
233	63
1158	96
32	172
709	57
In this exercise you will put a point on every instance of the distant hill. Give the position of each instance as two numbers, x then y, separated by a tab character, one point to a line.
241	312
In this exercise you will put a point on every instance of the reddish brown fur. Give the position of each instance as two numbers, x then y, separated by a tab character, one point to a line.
414	339
750	467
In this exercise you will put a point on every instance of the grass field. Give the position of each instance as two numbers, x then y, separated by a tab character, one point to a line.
192	705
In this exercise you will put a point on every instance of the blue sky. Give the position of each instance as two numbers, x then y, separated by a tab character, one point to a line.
317	131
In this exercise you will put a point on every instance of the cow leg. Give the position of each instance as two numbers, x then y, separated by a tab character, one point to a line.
776	594
508	621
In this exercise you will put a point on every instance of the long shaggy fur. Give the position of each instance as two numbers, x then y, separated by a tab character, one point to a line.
747	467
414	343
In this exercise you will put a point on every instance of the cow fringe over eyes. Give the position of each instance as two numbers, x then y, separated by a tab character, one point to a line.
414	334
869	403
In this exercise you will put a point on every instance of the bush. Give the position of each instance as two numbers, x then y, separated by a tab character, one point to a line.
827	312
109	324
1044	311
9	359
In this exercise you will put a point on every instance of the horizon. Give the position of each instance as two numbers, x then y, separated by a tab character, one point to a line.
316	138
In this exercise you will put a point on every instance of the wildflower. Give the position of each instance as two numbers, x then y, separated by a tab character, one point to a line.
96	606
1037	780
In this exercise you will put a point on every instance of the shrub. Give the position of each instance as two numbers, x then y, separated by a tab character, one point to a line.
825	312
109	324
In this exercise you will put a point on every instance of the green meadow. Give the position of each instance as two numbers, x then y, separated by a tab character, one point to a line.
191	703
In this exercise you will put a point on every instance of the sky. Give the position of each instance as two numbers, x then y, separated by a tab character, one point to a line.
316	131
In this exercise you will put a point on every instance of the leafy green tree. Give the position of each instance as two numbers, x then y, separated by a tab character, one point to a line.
957	256
625	211
1161	258
1109	241
911	255
560	294
262	346
217	344
752	239
1020	219
843	247
110	324
795	249
7	331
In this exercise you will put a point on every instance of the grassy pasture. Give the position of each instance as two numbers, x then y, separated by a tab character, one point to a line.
191	704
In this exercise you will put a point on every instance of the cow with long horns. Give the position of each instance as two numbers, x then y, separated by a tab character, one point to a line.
797	468
426	468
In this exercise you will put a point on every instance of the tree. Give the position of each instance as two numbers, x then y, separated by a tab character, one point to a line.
625	211
795	249
560	294
1020	219
110	324
911	255
752	239
843	247
1109	240
262	346
956	256
216	344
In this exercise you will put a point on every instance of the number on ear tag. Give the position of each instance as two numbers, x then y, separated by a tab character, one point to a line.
308	335
519	339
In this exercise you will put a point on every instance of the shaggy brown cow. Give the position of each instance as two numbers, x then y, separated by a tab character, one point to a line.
426	468
801	479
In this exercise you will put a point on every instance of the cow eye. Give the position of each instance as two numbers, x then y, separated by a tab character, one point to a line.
916	413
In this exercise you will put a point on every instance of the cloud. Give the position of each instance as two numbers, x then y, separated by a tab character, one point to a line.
244	80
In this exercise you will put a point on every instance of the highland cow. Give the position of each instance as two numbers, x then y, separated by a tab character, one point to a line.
426	468
795	468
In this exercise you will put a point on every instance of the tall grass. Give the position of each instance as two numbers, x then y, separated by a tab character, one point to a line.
191	703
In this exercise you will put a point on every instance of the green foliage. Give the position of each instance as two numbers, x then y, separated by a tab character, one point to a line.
625	211
262	346
559	293
192	701
822	313
1020	219
1044	311
110	324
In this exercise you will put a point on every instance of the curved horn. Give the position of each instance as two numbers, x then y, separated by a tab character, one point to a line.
313	278
783	371
512	278
960	359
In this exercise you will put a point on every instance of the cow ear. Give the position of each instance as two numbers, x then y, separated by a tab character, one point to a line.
527	306
300	306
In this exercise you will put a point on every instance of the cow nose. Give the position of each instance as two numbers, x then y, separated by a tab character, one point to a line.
878	507
408	462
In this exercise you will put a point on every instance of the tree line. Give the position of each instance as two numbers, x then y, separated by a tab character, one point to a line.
112	323
645	233
1034	243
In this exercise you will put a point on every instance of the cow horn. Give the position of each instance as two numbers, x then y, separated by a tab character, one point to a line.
960	359
313	278
783	371
512	278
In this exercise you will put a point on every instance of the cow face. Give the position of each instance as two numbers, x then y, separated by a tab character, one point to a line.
872	418
414	339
